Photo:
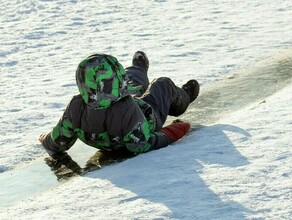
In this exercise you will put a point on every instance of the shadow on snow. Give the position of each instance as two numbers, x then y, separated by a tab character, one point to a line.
172	176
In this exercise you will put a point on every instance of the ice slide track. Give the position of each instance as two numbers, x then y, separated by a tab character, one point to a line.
217	99
240	89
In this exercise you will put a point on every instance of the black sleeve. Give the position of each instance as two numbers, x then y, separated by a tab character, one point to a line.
158	140
62	137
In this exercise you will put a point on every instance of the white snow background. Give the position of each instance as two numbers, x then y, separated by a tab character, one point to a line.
237	168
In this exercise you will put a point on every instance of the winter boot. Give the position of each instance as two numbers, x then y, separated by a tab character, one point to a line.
192	88
140	59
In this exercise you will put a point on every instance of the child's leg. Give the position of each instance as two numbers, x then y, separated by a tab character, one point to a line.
166	99
137	77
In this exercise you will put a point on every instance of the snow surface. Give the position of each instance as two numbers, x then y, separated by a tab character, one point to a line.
237	168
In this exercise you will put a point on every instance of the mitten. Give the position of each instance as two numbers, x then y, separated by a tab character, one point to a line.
176	131
44	142
42	138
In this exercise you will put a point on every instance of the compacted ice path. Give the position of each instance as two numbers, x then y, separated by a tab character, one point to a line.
216	99
36	176
240	89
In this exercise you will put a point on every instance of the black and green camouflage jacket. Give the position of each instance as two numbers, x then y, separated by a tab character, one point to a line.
128	123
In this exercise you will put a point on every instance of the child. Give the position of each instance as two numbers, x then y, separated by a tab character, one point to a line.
117	108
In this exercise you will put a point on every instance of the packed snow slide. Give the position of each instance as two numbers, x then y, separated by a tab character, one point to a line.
216	99
241	88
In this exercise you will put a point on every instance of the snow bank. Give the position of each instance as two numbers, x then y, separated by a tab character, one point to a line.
236	168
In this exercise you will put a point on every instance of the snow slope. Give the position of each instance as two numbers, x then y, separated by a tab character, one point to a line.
237	168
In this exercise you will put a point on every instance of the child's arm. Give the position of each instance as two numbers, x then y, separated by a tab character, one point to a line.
61	138
140	140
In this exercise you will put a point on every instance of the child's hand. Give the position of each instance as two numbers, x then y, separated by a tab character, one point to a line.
42	137
176	131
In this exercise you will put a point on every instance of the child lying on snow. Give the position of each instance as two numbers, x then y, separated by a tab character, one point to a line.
116	109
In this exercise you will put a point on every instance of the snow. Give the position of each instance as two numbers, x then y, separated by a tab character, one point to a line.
236	168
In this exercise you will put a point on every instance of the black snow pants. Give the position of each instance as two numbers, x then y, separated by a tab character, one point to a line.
162	94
